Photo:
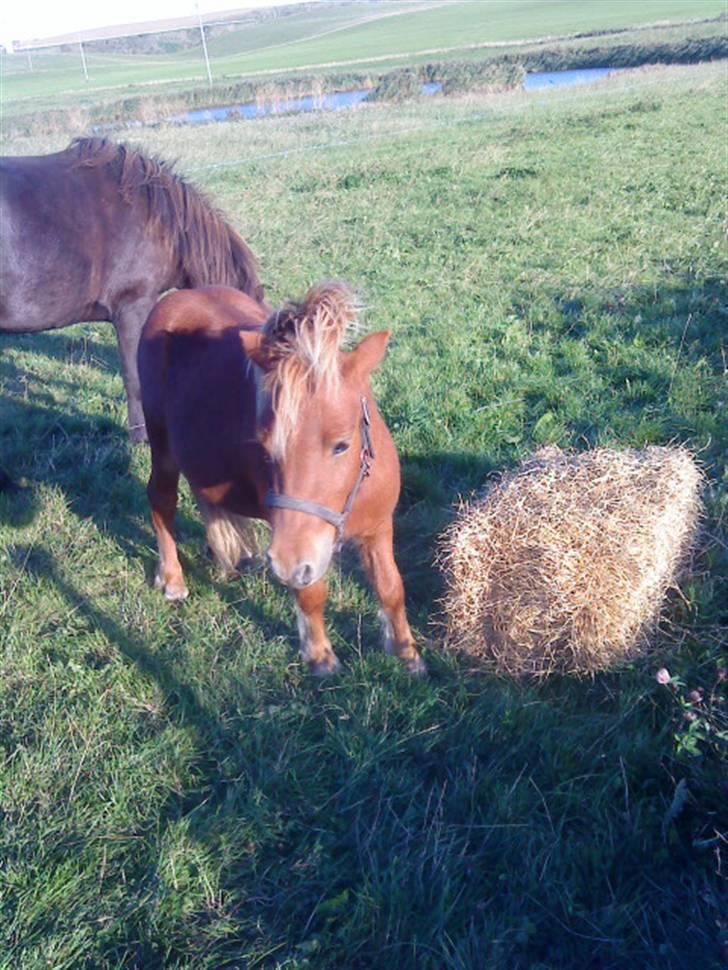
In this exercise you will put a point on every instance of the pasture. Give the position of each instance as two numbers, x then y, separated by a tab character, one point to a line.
175	790
367	35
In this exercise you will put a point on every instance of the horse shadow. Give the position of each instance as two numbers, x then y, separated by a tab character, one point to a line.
75	345
34	409
88	457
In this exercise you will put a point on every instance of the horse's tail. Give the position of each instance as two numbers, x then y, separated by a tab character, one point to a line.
232	538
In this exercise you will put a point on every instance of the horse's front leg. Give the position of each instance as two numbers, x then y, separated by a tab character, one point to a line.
128	323
377	556
315	645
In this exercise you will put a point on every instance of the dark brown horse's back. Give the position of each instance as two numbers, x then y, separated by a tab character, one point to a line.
52	229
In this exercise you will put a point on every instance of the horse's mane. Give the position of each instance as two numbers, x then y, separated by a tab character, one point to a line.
209	250
302	343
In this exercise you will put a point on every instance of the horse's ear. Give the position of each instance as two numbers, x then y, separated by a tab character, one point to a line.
368	354
252	341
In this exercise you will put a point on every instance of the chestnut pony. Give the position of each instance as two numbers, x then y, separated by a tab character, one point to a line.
269	418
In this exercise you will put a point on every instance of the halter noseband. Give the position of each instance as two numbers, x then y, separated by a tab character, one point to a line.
338	519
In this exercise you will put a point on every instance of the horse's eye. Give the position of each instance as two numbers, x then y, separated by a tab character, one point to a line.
340	447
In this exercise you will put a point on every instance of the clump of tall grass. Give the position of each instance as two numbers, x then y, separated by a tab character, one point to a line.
493	75
404	84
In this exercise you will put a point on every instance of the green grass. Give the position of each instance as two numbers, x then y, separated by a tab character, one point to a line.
174	790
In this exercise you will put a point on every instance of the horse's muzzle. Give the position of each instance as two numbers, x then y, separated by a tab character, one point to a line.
303	574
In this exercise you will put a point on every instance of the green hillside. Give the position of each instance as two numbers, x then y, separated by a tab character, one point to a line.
360	33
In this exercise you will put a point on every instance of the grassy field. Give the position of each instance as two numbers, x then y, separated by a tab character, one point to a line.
357	33
175	791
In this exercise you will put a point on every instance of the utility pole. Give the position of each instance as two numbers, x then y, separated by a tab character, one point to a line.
83	57
204	45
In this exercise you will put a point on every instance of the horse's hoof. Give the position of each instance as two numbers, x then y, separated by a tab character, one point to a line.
325	668
415	666
172	594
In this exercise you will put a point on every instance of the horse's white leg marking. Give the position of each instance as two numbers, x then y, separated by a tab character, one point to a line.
319	656
171	594
387	633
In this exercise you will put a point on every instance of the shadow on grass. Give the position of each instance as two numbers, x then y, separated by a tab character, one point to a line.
212	731
419	813
87	456
39	415
70	346
39	564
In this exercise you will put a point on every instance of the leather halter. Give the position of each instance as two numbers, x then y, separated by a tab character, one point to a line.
275	500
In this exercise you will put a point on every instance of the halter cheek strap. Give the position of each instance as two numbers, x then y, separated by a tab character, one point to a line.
275	500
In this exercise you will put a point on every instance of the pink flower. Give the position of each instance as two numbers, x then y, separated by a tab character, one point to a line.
662	676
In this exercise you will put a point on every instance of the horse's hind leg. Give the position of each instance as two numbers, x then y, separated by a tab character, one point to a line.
378	558
162	494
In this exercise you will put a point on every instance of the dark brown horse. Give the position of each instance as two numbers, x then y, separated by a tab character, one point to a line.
98	232
268	418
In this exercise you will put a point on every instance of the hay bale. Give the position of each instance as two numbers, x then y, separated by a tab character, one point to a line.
563	565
